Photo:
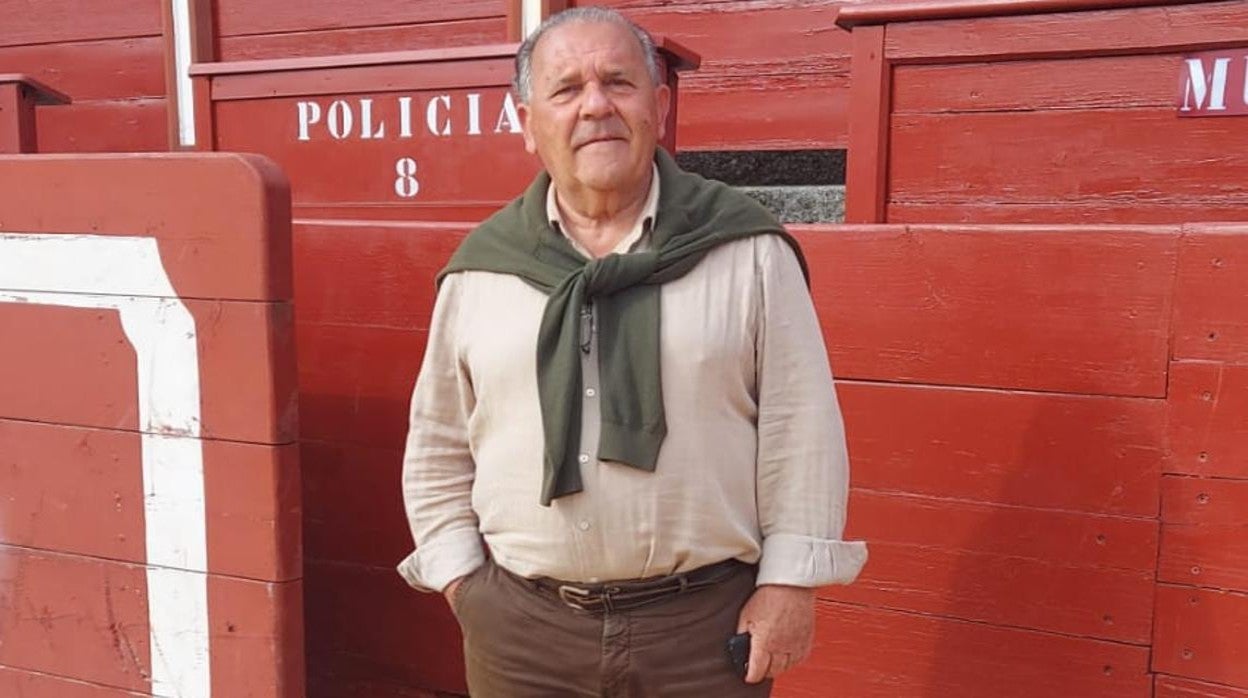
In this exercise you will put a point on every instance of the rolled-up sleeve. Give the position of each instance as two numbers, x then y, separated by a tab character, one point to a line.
438	468
803	468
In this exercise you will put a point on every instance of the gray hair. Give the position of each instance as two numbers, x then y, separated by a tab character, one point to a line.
523	82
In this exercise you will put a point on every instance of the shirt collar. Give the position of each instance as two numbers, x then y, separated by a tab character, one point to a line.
641	227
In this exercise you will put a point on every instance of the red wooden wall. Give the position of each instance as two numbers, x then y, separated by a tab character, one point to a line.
249	29
111	63
774	75
1064	111
1010	396
150	516
1051	116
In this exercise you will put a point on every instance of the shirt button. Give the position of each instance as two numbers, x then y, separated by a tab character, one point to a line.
584	525
590	392
583	458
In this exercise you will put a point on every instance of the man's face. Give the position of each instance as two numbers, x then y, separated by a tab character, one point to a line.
593	115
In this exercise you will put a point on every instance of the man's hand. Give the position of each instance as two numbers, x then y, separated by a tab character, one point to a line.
781	624
452	589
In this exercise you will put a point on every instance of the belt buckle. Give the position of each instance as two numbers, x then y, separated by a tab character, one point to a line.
576	597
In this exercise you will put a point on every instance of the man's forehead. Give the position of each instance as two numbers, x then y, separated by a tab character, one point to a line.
566	46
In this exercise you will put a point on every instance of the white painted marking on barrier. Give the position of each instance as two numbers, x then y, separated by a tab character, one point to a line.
182	64
125	274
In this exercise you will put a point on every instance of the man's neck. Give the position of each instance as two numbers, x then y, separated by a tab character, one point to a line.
598	221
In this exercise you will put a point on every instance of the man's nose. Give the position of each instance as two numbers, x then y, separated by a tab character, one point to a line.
594	102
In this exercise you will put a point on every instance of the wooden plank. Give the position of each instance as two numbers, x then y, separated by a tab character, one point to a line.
350	79
1204	534
784	38
55	21
1211	292
432	35
874	653
366	624
252	495
335	687
30	684
1206	428
355	383
1048	156
341	485
241	251
256	631
1044	595
1093	211
891	11
253	498
247	382
87	619
1200	634
866	175
785	113
119	126
1078	574
93	70
73	490
1186	27
85	349
1176	687
249	378
1072	539
1077	453
1099	82
402	257
903	305
237	17
79	617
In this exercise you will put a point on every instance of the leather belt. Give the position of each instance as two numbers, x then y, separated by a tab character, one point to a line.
622	596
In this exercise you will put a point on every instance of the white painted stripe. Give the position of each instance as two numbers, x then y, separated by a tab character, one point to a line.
25	266
530	17
182	65
163	334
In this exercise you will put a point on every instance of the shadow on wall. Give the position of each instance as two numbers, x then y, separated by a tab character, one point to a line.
1053	588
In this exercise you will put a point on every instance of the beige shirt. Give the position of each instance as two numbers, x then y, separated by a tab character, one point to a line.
753	466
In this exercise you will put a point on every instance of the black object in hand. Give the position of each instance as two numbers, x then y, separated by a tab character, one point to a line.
739	652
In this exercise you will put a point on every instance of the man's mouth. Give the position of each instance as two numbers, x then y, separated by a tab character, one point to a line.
599	139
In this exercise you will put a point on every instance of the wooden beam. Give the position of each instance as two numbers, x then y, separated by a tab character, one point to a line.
201	34
884	12
866	176
19	95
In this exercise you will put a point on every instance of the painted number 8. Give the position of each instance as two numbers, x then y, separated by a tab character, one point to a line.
405	185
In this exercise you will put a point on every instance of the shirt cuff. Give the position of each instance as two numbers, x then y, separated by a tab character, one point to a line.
802	561
434	565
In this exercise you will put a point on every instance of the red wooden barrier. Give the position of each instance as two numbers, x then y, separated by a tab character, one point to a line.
1082	111
149	533
1039	111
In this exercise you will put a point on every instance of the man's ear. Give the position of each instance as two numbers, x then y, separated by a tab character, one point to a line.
525	114
663	100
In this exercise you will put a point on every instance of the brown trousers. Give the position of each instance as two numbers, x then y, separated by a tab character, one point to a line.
520	642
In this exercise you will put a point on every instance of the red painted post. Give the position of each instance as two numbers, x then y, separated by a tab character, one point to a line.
19	95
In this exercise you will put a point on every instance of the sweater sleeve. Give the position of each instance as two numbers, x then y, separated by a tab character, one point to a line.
802	466
438	469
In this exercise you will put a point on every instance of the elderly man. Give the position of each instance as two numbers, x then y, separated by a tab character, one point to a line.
625	447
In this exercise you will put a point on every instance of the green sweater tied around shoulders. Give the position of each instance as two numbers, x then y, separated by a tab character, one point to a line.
694	215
